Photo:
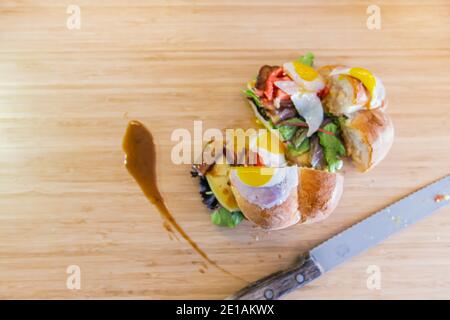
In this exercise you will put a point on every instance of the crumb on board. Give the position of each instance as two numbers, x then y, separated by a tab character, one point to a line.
441	197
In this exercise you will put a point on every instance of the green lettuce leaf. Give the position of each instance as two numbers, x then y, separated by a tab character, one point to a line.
260	107
299	137
307	59
250	94
287	131
301	149
224	218
332	147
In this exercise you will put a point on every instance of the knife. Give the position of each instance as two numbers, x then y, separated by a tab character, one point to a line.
350	242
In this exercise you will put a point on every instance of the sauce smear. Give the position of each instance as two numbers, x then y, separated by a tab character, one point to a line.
141	164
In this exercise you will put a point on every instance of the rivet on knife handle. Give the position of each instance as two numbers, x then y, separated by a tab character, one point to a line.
280	283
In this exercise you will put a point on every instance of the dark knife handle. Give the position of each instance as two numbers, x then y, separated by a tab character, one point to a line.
280	283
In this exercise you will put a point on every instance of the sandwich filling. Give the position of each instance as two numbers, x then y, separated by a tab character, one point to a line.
289	99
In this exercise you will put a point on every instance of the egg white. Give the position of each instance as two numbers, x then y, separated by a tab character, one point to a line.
273	193
315	85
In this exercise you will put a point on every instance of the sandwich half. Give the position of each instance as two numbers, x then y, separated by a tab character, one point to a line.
310	196
325	115
271	196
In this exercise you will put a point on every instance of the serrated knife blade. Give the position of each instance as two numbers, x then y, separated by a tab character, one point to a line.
351	242
381	225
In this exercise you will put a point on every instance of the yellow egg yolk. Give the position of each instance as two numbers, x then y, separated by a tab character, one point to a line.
305	72
365	77
255	176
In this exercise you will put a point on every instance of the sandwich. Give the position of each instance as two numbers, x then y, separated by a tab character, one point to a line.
271	193
312	119
324	115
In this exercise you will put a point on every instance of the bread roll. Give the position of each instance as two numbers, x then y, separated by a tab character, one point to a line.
346	95
319	193
368	136
275	218
315	197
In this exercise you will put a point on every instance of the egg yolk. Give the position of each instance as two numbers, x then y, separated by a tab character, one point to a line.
365	77
305	72
255	176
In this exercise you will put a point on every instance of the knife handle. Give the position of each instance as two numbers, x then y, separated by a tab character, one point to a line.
282	282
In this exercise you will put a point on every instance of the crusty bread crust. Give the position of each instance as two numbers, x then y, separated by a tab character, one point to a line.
319	193
315	198
277	217
375	133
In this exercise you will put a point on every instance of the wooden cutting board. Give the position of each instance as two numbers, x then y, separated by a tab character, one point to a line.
66	97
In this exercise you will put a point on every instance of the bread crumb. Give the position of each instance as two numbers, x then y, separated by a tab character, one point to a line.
441	197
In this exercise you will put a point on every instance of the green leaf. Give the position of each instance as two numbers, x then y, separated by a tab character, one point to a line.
301	149
237	217
250	94
224	218
332	147
260	107
307	59
299	137
287	131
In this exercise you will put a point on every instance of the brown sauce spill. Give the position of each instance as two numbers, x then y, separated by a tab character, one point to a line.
141	164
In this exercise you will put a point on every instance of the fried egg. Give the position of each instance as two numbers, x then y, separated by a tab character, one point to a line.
263	186
268	147
370	81
305	76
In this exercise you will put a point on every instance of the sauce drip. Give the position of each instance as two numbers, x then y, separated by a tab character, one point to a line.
141	164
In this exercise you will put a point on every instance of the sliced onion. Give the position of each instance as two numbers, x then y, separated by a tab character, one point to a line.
285	113
308	105
317	157
290	87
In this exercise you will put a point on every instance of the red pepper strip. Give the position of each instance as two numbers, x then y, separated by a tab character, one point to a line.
269	91
326	132
305	125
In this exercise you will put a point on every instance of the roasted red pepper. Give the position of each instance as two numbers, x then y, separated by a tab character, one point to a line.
270	87
322	93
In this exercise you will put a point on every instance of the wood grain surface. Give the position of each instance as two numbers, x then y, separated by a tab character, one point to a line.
66	97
